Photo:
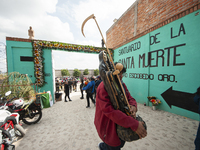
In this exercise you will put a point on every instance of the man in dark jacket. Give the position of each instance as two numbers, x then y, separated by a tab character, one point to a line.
90	91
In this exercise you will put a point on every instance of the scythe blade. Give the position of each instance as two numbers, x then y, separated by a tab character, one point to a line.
88	18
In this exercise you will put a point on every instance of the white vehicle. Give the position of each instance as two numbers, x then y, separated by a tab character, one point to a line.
11	130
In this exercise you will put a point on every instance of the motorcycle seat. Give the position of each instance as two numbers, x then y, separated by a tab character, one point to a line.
12	118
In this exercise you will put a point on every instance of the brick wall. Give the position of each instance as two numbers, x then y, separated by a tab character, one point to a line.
144	16
17	39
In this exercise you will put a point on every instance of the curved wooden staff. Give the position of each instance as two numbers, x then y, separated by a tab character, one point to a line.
93	17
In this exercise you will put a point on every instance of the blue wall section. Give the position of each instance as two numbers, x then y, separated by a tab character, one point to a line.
165	63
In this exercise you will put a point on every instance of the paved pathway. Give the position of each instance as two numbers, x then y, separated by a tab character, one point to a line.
70	126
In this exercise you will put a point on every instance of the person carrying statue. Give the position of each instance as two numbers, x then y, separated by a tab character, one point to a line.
106	118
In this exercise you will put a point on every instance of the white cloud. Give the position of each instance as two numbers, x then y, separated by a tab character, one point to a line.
54	30
18	8
17	16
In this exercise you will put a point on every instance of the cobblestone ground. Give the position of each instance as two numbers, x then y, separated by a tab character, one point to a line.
70	126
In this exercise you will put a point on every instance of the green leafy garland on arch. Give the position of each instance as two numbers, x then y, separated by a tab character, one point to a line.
38	55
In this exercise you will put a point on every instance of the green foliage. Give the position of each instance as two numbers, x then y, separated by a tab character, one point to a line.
19	85
96	72
76	73
65	72
85	72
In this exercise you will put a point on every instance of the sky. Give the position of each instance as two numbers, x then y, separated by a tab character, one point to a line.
61	20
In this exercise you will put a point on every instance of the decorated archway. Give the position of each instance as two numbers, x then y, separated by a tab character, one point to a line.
34	58
38	54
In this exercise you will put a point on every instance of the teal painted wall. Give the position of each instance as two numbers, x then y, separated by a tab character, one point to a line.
170	56
15	49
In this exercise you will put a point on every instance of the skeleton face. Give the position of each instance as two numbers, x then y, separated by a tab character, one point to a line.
104	56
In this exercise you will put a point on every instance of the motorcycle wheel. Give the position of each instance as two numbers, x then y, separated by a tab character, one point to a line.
19	131
36	115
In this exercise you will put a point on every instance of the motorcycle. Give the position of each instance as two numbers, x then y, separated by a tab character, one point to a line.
6	140
10	129
30	112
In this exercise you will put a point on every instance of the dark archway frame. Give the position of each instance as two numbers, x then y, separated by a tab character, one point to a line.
38	47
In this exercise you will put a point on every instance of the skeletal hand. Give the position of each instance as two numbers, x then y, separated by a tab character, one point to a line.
133	111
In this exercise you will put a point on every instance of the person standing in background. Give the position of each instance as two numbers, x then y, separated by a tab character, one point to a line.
90	91
66	90
98	81
81	86
197	101
70	83
57	86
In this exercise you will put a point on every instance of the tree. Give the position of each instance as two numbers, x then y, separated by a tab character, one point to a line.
65	72
76	73
96	72
85	72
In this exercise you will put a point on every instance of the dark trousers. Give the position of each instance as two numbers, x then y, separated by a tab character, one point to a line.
57	89
104	146
197	140
90	96
70	88
67	96
82	94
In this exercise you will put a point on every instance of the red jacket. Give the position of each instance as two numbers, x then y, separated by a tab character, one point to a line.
106	117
